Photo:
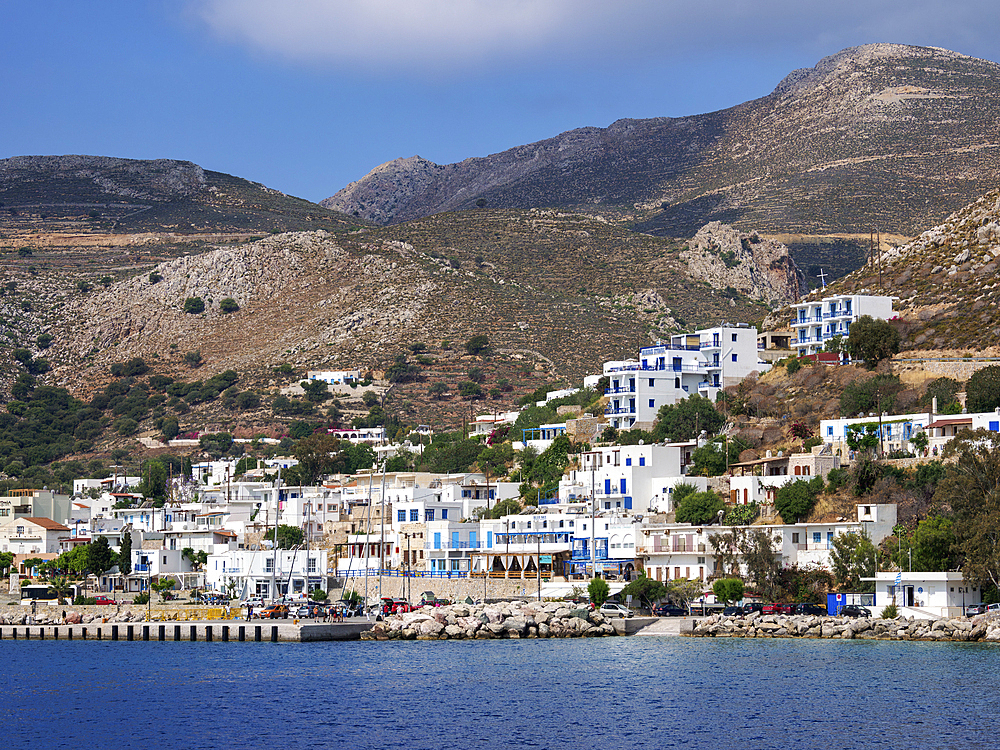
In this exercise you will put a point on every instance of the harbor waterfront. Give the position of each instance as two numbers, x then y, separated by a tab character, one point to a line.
553	693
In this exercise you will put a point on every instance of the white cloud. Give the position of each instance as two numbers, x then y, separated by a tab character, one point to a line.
411	36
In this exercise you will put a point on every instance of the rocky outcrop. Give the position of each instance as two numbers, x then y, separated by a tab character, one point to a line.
759	268
516	619
755	625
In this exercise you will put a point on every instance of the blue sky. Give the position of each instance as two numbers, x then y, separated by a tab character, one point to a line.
308	95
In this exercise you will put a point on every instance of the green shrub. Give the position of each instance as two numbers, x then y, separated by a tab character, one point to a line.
194	305
889	612
142	598
228	305
792	365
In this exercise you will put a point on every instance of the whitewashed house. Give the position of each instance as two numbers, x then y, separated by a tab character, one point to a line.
700	363
816	322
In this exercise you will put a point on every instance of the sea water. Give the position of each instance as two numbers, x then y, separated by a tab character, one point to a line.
634	692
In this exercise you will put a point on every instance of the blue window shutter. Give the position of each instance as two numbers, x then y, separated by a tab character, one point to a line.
995	426
628	503
454	539
607	486
628	461
437	540
623	485
489	539
642	460
444	514
472	539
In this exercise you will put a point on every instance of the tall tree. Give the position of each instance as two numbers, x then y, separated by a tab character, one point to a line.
125	552
645	590
100	556
762	562
686	419
871	340
971	487
853	557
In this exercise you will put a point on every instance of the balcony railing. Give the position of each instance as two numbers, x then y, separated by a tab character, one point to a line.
612	410
609	391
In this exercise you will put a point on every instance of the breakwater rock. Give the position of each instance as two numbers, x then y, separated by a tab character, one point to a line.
979	628
499	620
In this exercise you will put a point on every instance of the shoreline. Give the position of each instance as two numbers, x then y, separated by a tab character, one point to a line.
981	628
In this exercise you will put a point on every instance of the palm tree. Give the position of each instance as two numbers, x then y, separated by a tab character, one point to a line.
59	586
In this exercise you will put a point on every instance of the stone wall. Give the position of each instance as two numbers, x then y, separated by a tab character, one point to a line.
958	368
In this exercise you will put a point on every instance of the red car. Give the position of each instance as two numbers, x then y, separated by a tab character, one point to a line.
104	600
778	609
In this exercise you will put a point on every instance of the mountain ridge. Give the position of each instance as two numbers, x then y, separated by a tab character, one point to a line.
843	146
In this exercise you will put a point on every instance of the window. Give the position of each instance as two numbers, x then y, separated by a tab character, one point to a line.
734	338
628	461
642	460
817	537
829	431
401	516
268	564
444	514
414	515
734	356
795	538
429	514
311	565
652	403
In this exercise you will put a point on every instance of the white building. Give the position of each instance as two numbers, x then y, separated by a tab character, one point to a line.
816	322
294	572
680	550
335	377
700	363
923	595
32	536
628	477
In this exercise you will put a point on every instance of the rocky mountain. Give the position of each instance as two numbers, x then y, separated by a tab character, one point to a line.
93	194
945	279
883	136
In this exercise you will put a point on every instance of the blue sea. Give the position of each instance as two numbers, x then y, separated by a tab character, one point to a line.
595	693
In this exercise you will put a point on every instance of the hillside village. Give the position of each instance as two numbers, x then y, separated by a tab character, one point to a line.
640	478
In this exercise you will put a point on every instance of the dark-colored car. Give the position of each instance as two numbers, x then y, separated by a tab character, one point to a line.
854	610
752	607
808	608
732	612
669	610
972	610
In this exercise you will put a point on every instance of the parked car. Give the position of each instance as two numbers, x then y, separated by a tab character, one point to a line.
669	610
975	609
610	609
274	612
778	608
256	602
104	600
308	610
808	608
732	612
854	610
993	607
752	607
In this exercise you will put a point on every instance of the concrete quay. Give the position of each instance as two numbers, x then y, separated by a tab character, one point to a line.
225	631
